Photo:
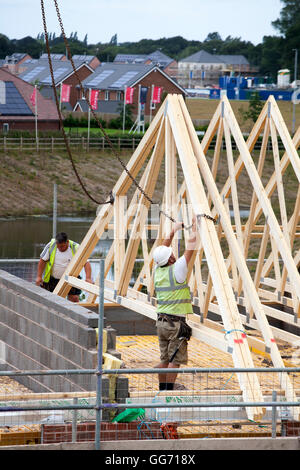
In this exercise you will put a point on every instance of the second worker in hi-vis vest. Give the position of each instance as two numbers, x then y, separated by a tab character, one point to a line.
173	305
54	259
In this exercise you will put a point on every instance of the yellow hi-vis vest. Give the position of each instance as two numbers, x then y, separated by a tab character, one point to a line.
172	297
52	252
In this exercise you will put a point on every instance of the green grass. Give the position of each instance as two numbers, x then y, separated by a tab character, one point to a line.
96	131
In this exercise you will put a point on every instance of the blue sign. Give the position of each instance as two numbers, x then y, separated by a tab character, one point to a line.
215	93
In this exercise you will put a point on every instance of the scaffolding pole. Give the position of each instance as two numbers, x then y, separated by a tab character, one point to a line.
100	357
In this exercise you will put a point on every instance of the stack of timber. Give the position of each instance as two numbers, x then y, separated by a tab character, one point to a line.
223	284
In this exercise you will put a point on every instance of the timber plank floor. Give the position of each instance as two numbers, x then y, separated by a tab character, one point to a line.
143	352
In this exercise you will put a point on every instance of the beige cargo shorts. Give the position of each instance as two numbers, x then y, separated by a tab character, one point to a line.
168	342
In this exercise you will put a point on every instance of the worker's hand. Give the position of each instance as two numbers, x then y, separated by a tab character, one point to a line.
39	281
178	226
194	224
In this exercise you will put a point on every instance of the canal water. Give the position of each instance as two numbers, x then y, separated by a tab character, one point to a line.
22	240
25	237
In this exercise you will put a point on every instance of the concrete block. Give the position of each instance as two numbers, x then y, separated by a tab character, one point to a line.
115	353
2	353
43	331
122	389
3	332
111	338
20	286
128	322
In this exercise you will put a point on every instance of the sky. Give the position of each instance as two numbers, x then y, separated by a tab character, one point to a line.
134	20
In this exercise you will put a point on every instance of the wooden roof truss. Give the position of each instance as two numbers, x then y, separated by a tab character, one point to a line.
219	277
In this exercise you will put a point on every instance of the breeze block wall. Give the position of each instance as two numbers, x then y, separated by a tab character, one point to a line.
42	331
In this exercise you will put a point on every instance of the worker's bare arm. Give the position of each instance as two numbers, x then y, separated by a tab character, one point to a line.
40	270
168	240
88	272
191	244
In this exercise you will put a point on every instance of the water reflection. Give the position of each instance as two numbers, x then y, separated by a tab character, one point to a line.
25	237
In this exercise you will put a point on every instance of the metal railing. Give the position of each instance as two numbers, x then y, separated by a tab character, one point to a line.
159	411
205	403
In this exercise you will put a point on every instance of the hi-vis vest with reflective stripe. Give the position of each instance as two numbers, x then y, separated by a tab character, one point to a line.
172	298
52	252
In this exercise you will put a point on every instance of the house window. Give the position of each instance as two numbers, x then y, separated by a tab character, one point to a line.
119	96
5	128
106	95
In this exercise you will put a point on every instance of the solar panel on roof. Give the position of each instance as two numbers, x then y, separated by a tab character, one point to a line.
99	78
14	102
57	73
33	73
124	79
2	93
82	57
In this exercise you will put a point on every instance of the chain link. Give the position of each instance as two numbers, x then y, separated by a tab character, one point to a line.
206	216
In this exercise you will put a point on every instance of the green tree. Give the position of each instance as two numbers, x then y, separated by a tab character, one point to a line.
271	55
114	40
288	24
28	45
213	43
6	47
254	108
289	16
117	123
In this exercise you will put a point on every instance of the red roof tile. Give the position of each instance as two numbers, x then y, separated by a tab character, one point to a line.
46	108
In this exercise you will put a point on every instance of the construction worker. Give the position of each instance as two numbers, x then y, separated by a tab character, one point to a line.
54	259
173	305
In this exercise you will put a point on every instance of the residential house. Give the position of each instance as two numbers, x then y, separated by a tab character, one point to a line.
16	109
112	79
167	64
15	62
91	60
205	69
38	72
62	57
130	58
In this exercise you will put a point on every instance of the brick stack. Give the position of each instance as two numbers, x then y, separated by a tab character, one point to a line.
55	433
42	331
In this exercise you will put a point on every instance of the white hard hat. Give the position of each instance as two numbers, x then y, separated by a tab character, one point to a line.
162	254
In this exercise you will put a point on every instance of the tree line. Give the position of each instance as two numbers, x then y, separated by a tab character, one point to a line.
273	53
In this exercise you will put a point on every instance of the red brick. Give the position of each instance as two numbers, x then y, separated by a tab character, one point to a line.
109	432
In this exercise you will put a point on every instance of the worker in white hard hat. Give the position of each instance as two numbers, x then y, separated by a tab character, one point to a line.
173	305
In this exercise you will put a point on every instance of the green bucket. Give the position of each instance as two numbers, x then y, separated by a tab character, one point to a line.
129	415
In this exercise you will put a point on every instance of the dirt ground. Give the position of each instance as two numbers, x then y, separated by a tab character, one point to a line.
27	178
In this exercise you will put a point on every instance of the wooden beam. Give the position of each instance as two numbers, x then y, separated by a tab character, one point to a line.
239	258
105	214
142	211
211	246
